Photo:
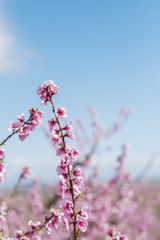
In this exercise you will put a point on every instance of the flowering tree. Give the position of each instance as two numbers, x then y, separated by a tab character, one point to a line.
71	212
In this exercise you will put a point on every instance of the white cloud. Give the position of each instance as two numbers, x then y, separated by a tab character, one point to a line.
13	57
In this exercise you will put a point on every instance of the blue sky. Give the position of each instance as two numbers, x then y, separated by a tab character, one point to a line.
101	53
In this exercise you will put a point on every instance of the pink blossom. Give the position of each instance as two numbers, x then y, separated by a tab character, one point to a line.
3	172
48	228
123	237
83	213
79	182
55	128
2	219
1	153
62	186
116	236
65	161
67	147
56	218
14	126
47	90
110	232
35	120
55	134
52	224
69	130
23	132
68	127
62	181
55	221
60	151
34	225
62	170
18	233
76	190
71	135
82	224
66	224
31	127
25	238
20	118
68	207
61	112
52	123
32	111
55	212
77	172
55	138
52	88
64	191
74	154
25	172
40	113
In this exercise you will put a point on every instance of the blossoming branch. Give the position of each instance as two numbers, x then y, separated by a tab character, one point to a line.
70	178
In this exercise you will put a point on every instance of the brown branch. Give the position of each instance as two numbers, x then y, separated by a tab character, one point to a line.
14	132
70	174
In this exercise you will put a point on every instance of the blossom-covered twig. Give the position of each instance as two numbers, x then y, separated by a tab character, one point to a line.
49	222
23	128
70	178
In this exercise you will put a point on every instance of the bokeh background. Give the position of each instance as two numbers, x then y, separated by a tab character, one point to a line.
104	54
